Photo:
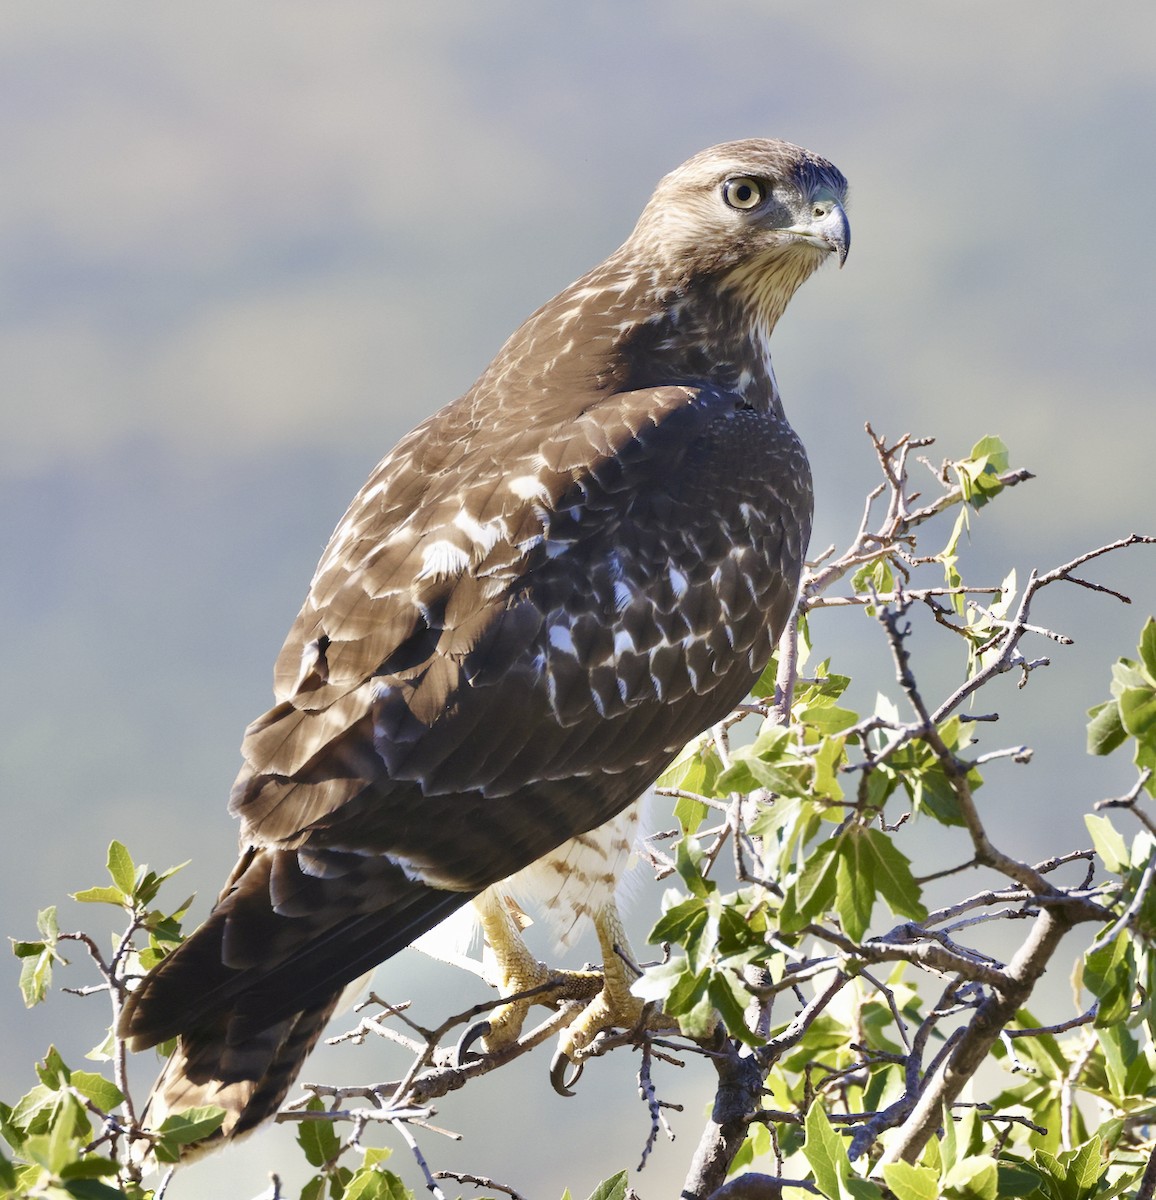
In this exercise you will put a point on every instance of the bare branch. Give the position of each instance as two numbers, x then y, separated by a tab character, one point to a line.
480	1181
972	1048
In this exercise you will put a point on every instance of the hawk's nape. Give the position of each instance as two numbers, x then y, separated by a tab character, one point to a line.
540	595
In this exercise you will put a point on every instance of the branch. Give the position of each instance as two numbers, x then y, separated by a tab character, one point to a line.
981	1033
740	1086
480	1181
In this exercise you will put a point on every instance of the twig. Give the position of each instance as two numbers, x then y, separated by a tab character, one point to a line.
1085	1018
647	1091
1147	1188
480	1181
1125	918
430	1183
991	1016
1128	801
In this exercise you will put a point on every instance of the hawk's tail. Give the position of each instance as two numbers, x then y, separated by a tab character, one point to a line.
249	1081
249	992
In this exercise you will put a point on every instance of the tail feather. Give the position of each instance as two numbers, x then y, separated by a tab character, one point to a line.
249	1081
249	993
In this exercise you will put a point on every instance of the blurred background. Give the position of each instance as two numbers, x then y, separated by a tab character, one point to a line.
243	248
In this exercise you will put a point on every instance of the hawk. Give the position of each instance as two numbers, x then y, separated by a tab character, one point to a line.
540	595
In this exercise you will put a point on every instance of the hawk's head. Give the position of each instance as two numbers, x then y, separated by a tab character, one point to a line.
757	216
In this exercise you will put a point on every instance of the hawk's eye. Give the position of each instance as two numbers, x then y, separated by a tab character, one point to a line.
743	192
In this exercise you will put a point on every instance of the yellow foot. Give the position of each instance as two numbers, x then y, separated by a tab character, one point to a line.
615	1006
609	1003
512	969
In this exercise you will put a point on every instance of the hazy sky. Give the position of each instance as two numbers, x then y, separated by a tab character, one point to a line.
244	247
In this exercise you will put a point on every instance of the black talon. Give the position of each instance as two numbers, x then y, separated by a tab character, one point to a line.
558	1067
473	1033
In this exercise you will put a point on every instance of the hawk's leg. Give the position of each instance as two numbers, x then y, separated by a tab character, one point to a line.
512	968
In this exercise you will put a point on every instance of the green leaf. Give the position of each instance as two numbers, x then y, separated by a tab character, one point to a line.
318	1139
1147	648
948	1144
679	921
369	1183
825	1152
854	884
60	1145
38	958
91	1166
687	856
52	1071
912	1183
975	1177
731	999
7	1174
979	473
688	991
47	925
690	814
1087	1166
657	982
613	1188
1019	1179
828	719
1106	730
121	868
102	1092
101	895
36	976
1138	712
151	884
696	769
1120	1049
815	889
700	1019
876	574
314	1189
830	756
92	1189
1110	975
893	876
192	1125
1108	843
105	1051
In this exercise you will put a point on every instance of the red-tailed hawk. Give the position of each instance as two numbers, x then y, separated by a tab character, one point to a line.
540	595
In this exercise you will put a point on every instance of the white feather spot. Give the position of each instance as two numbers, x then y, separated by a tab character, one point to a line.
528	487
485	537
622	596
678	580
561	639
623	642
441	560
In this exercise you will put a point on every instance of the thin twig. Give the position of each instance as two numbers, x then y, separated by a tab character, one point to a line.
430	1183
480	1181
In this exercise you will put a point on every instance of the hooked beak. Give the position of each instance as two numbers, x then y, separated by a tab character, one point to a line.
828	228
